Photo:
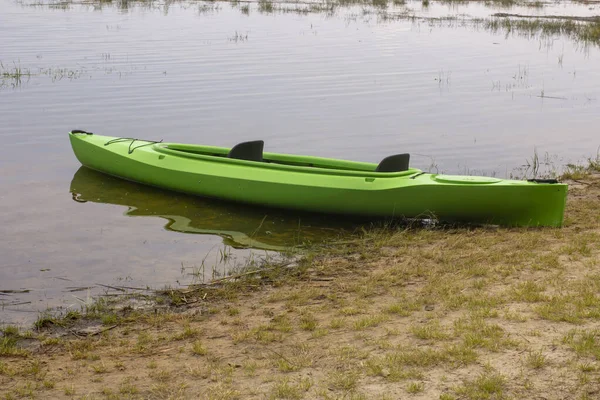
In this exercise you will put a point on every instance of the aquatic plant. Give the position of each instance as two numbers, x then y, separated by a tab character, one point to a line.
587	31
13	76
265	6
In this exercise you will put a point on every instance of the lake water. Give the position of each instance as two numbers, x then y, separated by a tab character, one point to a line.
458	97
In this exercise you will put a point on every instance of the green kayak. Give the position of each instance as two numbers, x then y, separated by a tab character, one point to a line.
391	188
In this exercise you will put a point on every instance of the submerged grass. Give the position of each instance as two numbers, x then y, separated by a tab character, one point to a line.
13	75
584	31
15	72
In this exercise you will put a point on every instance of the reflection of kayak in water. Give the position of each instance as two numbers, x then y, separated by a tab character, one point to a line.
240	226
246	174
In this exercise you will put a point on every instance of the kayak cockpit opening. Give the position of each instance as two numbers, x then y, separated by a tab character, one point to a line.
252	153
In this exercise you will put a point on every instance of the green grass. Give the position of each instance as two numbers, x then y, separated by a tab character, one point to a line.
8	347
430	331
575	172
349	311
584	343
69	390
582	171
48	384
187	333
287	389
10	330
100	368
308	322
573	307
489	385
528	291
162	376
344	380
128	388
410	363
337	323
198	348
110	319
477	333
44	321
295	358
536	360
415	387
233	311
369	321
144	342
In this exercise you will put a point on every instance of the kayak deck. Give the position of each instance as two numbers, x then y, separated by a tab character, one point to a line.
280	161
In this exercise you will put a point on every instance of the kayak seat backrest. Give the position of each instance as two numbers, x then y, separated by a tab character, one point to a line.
250	151
395	163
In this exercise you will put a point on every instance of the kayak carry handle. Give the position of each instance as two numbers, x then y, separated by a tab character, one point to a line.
133	140
80	132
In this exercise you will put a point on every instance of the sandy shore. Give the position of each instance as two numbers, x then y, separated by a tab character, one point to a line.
393	313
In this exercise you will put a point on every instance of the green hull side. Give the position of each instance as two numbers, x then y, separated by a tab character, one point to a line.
362	192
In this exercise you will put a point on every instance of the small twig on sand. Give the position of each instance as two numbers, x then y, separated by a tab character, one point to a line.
583	183
103	330
285	359
123	288
111	287
85	334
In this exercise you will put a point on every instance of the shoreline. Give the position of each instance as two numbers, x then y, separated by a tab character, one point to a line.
396	312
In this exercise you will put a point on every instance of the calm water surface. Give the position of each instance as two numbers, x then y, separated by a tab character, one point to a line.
459	98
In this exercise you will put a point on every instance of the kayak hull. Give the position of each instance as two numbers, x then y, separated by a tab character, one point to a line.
323	185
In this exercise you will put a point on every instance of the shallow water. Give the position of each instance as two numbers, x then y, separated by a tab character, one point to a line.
459	98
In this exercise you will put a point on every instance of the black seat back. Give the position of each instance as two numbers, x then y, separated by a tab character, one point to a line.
250	151
395	163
